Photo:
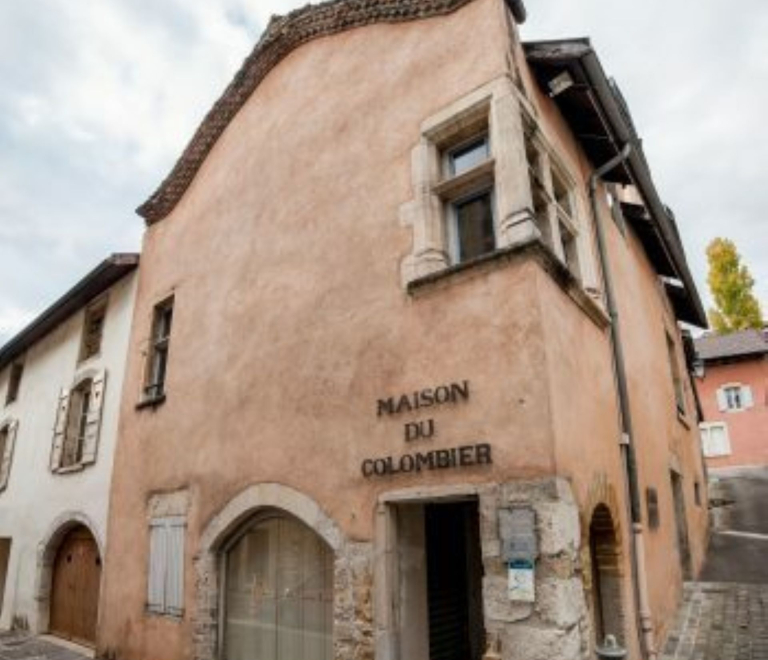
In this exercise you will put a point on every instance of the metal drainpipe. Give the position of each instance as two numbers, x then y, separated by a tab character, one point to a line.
637	547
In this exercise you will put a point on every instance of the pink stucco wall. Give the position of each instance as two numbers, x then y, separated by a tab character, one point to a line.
747	429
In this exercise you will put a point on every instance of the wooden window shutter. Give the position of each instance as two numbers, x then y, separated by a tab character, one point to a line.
174	583
93	420
7	457
747	400
60	430
157	555
722	401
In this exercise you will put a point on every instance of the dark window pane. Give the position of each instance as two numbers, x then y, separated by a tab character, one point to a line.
474	227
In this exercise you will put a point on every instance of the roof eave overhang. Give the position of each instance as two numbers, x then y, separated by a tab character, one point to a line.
577	56
101	278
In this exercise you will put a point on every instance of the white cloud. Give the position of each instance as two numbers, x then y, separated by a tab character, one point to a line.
99	99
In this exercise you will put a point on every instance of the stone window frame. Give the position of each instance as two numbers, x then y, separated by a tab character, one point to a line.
494	108
507	114
546	170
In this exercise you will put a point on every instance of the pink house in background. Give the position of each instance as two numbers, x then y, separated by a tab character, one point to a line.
734	398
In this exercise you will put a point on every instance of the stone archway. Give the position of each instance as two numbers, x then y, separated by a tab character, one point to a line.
606	575
352	569
47	550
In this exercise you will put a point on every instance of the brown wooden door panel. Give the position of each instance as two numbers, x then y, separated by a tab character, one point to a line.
75	587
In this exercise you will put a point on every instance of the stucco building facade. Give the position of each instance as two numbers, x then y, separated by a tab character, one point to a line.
732	387
60	383
384	397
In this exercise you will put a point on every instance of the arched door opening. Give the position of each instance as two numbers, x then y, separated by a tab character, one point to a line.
607	603
278	592
75	588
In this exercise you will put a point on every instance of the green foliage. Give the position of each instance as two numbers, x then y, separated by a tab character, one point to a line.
736	307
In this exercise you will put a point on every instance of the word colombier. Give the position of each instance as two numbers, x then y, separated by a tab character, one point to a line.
437	459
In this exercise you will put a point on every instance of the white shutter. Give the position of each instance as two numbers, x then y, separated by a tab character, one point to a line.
7	457
722	401
165	584
93	420
721	444
174	583
747	401
714	440
156	578
59	430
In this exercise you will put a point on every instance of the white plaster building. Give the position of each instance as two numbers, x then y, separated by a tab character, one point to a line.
60	385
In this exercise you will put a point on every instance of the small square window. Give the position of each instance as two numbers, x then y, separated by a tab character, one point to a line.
93	329
468	156
154	387
652	504
714	439
471	227
14	382
733	398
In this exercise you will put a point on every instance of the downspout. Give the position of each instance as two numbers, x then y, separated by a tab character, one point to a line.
637	546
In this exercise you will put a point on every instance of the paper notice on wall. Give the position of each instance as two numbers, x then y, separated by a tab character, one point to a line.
521	587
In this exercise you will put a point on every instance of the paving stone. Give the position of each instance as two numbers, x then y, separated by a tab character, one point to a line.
720	621
23	646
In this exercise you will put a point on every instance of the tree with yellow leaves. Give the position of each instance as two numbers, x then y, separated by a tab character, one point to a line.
730	282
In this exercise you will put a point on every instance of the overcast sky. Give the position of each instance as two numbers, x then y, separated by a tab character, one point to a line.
99	97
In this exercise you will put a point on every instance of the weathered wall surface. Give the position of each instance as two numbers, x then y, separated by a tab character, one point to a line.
747	429
290	322
37	503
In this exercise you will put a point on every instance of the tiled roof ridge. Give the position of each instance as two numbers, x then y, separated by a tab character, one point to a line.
283	35
749	341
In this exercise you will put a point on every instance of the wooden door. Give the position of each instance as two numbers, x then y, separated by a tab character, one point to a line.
75	589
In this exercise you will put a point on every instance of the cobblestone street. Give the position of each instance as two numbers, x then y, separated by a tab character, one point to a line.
720	621
21	646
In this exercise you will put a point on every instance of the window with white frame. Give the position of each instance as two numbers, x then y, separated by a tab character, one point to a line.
733	397
554	201
78	424
165	583
714	439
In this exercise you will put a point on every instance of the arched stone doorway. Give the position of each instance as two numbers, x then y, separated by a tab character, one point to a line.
350	570
277	600
75	585
76	531
605	560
